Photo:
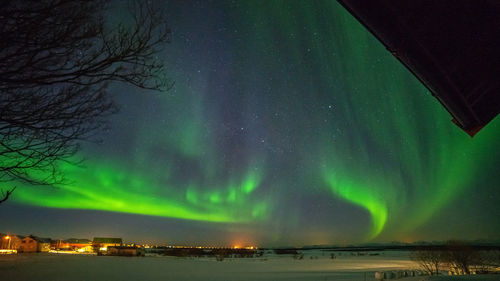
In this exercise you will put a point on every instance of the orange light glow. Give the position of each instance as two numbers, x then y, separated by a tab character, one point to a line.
7	237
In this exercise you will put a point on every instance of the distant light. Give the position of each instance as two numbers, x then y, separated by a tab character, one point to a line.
7	237
103	249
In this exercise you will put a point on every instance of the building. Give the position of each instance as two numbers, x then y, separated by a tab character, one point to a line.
451	46
33	244
102	243
43	244
10	242
80	245
73	244
28	245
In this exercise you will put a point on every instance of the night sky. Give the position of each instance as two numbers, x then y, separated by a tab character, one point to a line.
289	124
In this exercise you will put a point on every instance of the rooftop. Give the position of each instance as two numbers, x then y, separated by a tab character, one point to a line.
451	46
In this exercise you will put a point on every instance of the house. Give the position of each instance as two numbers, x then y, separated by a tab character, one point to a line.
33	244
28	245
125	251
43	244
102	243
10	241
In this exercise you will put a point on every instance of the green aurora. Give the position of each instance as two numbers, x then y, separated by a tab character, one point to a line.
111	189
282	104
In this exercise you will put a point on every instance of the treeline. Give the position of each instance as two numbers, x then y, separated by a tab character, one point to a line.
219	254
457	257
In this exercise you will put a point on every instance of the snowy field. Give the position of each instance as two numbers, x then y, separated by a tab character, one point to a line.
58	267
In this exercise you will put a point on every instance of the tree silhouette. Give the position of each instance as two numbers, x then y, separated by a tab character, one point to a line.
57	58
461	256
430	259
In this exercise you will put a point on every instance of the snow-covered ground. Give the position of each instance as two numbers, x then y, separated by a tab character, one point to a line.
488	277
55	267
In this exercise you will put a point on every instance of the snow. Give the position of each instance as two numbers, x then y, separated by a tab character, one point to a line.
345	267
486	277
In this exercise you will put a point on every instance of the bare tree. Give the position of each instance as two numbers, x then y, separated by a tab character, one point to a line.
430	259
487	260
57	58
461	256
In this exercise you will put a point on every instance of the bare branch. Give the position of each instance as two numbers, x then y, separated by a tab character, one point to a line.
6	194
57	58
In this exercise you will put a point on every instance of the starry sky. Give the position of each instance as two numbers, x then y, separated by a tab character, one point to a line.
289	124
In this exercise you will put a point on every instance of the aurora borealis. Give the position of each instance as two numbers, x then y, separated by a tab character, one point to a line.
288	124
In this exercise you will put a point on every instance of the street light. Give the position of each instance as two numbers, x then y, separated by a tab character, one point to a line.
8	238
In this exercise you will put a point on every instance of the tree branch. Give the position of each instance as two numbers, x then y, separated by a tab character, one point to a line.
5	195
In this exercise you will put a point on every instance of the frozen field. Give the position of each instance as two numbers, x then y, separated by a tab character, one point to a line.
56	267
